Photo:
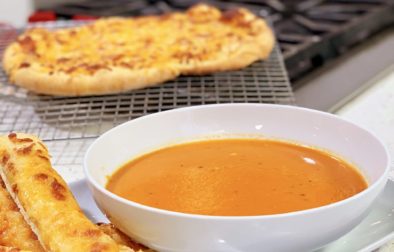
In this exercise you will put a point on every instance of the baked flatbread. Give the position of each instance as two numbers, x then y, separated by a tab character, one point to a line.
113	55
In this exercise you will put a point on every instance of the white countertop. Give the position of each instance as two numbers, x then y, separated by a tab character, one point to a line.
374	110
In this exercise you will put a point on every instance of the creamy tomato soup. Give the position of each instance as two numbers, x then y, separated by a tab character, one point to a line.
236	177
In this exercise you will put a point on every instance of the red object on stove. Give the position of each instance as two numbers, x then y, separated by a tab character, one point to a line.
40	16
84	17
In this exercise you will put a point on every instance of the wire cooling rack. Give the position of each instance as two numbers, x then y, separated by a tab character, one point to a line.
64	119
59	118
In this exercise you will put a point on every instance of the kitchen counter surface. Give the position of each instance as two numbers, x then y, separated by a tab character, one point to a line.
374	110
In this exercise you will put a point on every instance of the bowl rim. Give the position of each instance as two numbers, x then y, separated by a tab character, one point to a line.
382	179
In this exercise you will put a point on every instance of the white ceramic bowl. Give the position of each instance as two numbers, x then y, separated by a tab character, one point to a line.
297	231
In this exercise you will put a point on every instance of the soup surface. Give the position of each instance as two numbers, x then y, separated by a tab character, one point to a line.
236	177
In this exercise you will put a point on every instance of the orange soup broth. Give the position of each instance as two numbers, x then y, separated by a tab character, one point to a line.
237	177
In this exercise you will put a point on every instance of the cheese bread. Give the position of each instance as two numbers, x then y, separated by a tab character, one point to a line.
116	54
45	201
14	231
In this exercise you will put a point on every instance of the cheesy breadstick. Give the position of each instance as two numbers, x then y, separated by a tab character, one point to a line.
12	249
14	231
45	201
122	238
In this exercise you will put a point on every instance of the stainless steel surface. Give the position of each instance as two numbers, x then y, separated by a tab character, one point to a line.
336	83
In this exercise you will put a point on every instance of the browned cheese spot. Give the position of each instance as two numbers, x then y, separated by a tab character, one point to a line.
15	188
236	16
62	60
126	65
58	190
92	233
5	158
230	15
28	45
187	56
13	206
33	236
3	227
24	65
98	247
148	42
164	17
24	140
12	136
11	168
40	176
25	150
2	183
116	58
90	68
71	69
95	67
43	157
60	40
39	151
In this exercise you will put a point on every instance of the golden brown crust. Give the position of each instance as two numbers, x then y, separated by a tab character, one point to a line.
131	53
14	231
103	82
122	238
44	199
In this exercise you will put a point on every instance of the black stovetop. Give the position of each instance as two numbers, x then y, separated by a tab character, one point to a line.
309	32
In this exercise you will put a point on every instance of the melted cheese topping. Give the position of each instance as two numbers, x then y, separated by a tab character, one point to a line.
176	40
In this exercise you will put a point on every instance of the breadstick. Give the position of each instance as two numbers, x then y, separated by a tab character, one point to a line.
14	231
45	201
122	238
11	249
